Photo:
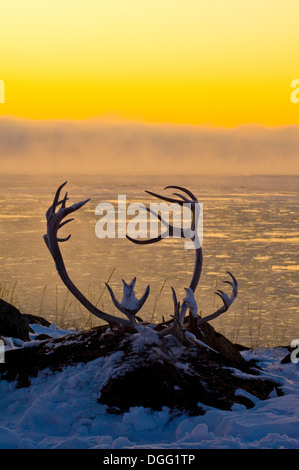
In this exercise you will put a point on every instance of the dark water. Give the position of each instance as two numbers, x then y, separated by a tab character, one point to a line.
250	228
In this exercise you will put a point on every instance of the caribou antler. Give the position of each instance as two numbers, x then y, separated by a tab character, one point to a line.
184	331
171	231
54	223
227	300
176	326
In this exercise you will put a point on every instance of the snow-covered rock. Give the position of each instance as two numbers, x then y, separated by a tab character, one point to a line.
60	408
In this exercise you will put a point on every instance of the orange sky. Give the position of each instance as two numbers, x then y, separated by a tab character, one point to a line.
200	62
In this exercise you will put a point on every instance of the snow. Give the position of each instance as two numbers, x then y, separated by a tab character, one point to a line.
60	410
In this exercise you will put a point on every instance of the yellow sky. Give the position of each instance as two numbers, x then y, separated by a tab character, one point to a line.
211	62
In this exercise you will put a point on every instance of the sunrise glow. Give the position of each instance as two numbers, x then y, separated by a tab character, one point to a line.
193	62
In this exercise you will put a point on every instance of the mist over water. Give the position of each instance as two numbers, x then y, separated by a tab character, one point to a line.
94	147
250	228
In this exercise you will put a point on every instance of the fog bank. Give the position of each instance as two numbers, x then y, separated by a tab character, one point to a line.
93	147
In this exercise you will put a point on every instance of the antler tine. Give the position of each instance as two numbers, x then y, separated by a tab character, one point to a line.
224	297
234	284
66	222
165	198
143	299
145	242
174	325
180	201
163	221
74	207
233	278
177	306
56	197
212	316
114	299
63	201
64	239
227	301
176	315
170	228
192	202
53	207
174	297
184	190
184	198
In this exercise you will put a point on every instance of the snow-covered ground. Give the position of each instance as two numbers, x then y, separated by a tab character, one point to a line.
60	410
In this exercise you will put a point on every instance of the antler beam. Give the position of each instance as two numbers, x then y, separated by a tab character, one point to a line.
227	301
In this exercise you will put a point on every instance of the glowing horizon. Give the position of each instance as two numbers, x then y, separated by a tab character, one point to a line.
198	62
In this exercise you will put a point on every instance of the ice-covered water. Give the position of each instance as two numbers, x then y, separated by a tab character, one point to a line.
250	228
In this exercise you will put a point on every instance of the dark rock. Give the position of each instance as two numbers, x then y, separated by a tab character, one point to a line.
36	319
208	335
240	347
12	323
153	386
57	353
147	374
42	337
287	358
220	343
198	377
